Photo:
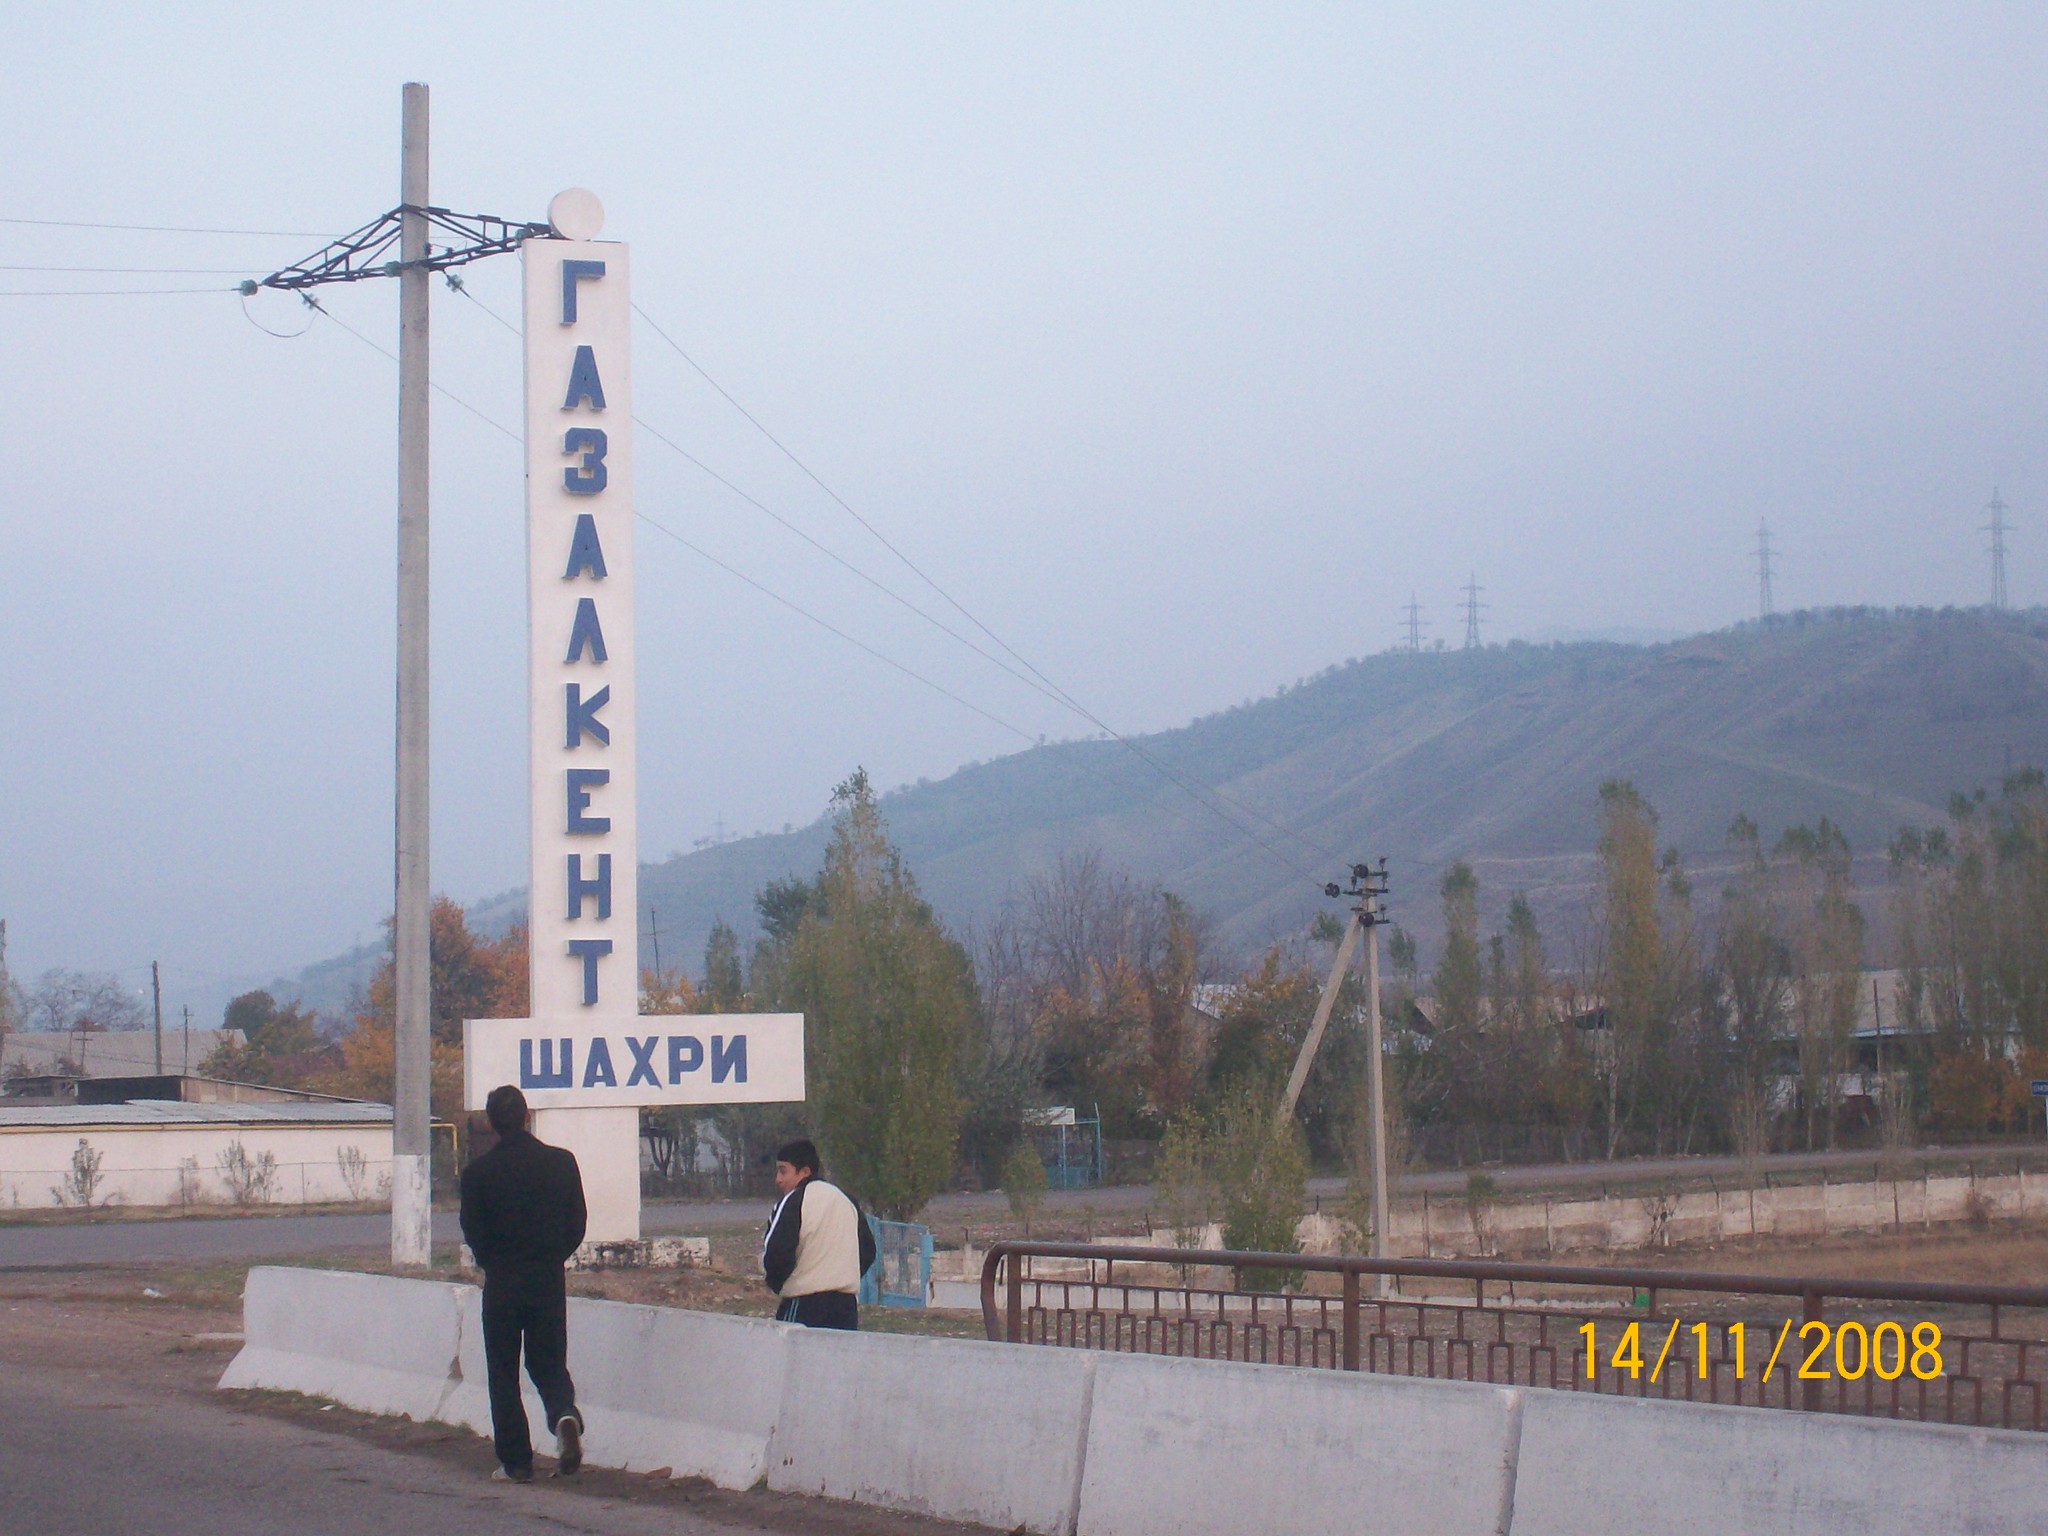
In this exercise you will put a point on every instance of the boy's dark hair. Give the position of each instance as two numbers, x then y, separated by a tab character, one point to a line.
799	1154
506	1110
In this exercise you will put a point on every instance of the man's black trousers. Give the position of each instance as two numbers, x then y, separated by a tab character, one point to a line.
537	1317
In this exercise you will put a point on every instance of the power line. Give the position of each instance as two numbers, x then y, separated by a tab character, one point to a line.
822	548
889	661
167	229
1212	800
1201	794
705	554
442	390
101	293
138	271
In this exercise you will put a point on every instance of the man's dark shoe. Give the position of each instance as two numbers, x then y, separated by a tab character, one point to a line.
568	1446
512	1474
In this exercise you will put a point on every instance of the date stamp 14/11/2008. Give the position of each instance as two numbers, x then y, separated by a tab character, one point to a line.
1846	1351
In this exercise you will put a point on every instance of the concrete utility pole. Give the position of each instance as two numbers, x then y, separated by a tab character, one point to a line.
156	992
1375	1073
355	257
1305	1057
411	1131
1368	885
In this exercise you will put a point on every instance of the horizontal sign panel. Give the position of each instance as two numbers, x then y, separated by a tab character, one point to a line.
684	1058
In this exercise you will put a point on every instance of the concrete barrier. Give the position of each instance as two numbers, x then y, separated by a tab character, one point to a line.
1594	1465
693	1392
955	1428
366	1341
1064	1441
1194	1447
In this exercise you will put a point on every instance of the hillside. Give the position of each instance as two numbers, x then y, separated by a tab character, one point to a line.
1492	755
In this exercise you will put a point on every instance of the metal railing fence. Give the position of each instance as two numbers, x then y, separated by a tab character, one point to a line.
1814	1344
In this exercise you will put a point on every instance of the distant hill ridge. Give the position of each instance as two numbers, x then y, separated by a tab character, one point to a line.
1872	718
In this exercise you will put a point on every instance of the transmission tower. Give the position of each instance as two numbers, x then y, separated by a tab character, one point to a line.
1763	573
1997	529
1414	625
1472	589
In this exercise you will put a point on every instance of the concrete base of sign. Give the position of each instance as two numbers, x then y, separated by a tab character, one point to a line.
607	1147
648	1253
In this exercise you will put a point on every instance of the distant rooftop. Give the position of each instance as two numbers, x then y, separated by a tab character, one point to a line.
147	1113
106	1053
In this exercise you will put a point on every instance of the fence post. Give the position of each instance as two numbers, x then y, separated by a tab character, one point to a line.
1351	1320
1013	1264
1809	1397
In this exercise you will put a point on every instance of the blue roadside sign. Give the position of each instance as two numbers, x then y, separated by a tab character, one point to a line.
2040	1087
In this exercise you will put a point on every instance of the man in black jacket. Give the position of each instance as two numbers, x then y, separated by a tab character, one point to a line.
522	1216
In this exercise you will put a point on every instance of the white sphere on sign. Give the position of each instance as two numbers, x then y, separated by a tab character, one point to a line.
576	214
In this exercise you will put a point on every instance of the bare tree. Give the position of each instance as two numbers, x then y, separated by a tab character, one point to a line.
82	1002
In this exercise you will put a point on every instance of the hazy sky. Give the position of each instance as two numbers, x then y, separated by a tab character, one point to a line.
1179	343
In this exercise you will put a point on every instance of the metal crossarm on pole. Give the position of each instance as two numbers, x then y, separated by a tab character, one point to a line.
369	251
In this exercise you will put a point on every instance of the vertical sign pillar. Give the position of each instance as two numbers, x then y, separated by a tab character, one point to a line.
584	890
585	1058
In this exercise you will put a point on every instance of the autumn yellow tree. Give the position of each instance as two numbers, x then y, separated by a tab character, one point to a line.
472	978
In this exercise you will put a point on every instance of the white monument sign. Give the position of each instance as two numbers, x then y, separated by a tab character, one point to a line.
586	1060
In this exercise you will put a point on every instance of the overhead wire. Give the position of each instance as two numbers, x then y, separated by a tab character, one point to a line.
100	293
706	555
138	271
785	523
1198	792
1215	802
167	229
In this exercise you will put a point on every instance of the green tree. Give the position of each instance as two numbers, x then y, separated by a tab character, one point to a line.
1827	967
888	998
13	1005
725	982
1754	966
1458	979
1261	1172
1024	1182
279	1043
1631	955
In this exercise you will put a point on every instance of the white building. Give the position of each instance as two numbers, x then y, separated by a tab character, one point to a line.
167	1153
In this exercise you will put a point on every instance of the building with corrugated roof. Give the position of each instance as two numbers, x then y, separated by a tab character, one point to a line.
168	1152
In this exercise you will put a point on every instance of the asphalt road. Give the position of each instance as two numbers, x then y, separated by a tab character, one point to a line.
203	1239
109	1423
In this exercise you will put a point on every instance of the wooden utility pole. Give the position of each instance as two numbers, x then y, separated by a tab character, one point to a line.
411	1204
156	992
